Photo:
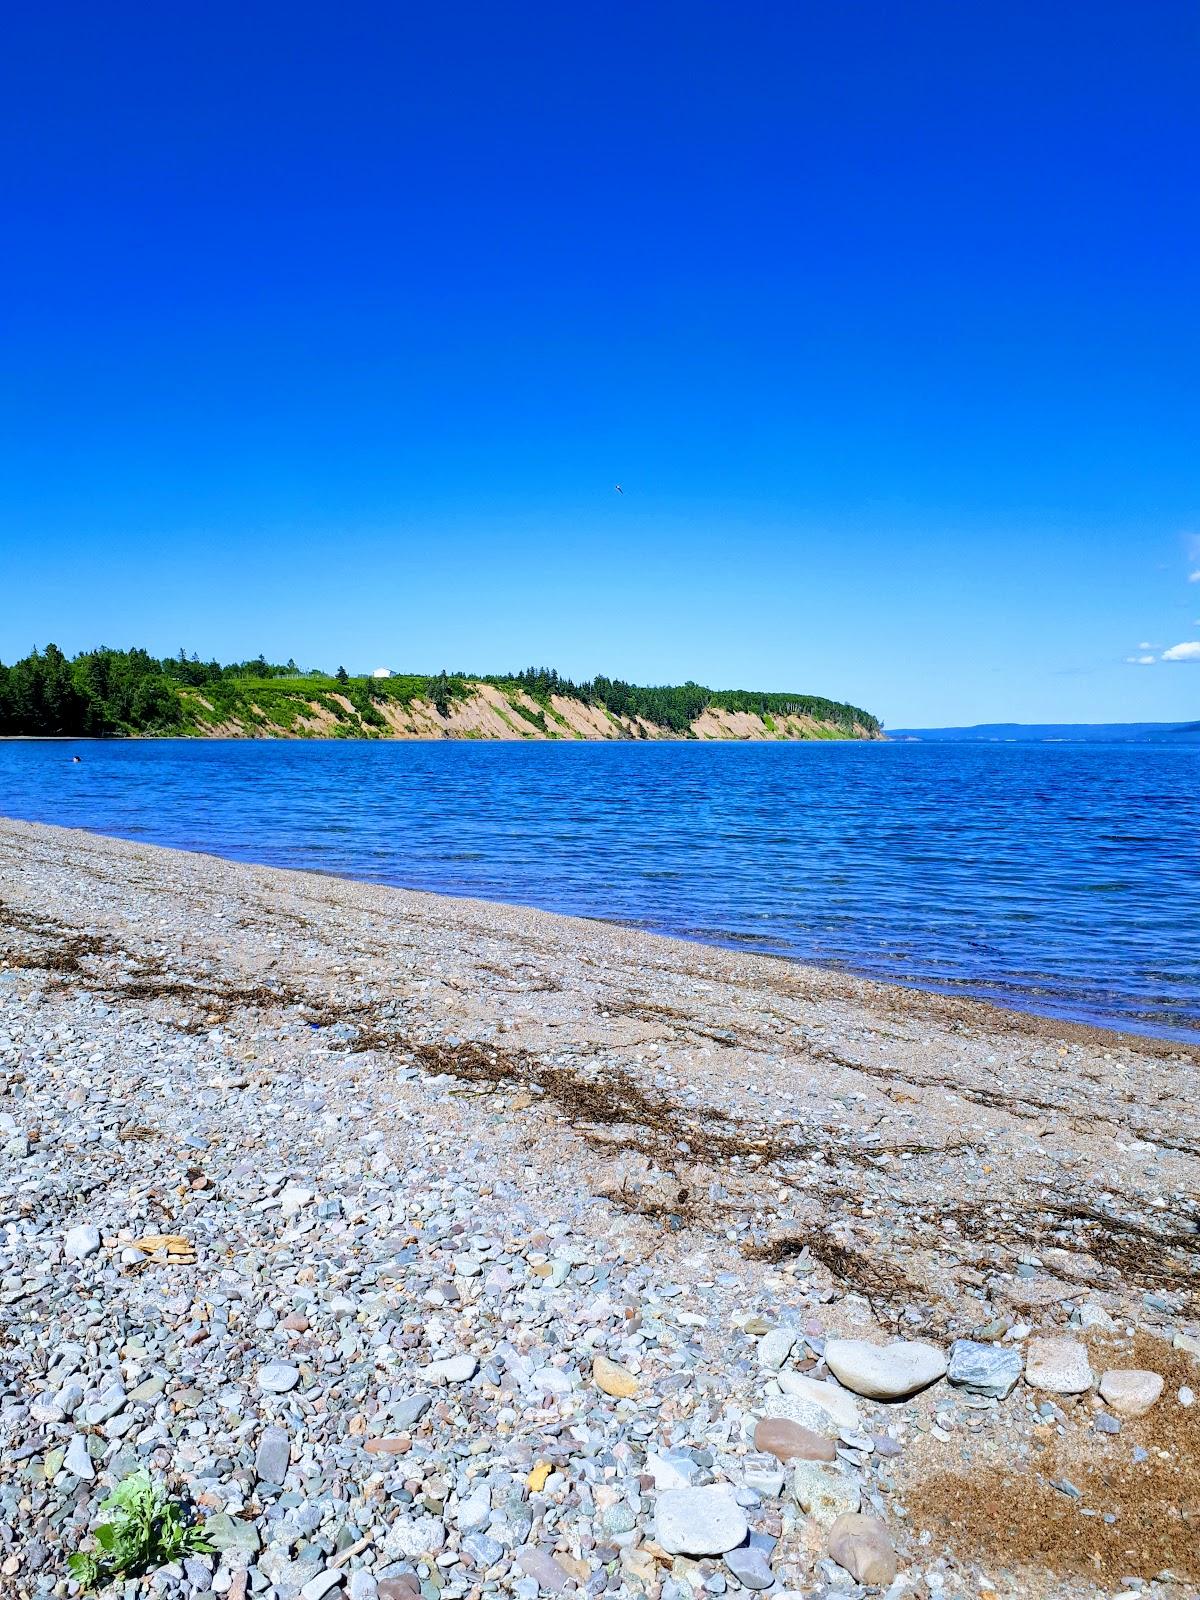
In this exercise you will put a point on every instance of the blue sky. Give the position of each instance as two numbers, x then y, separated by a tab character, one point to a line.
327	331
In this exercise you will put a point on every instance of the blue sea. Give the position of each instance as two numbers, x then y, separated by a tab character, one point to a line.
1062	879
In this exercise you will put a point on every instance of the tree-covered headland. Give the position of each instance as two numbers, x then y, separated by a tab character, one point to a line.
124	692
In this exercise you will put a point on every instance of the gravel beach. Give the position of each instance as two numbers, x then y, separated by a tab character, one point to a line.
428	1247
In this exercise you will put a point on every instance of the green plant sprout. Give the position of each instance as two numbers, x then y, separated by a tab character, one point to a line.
145	1530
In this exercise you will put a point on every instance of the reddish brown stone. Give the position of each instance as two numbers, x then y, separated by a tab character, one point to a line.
788	1441
395	1444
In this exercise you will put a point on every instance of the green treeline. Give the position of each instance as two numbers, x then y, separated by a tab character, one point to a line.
107	691
677	706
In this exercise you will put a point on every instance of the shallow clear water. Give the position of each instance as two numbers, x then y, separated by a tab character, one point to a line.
1060	878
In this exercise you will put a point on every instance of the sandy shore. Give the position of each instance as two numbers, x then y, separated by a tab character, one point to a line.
399	1130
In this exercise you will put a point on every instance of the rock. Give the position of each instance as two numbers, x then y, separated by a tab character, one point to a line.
226	1533
1090	1315
614	1380
750	1566
1188	1343
791	1408
789	1441
1058	1366
110	1400
863	1546
278	1377
884	1372
1130	1391
824	1493
408	1412
81	1242
775	1347
272	1456
77	1459
474	1513
671	1469
294	1199
833	1400
412	1537
989	1369
764	1481
322	1584
451	1369
542	1568
699	1522
363	1584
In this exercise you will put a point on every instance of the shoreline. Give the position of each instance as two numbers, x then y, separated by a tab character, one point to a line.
958	1004
429	1128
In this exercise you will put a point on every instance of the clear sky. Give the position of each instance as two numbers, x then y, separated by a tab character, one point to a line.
327	330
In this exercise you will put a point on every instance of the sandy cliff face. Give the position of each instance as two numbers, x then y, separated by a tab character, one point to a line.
492	713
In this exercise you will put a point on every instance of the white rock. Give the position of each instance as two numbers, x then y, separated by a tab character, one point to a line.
278	1377
81	1242
835	1401
77	1459
451	1369
475	1512
775	1347
1090	1315
294	1199
670	1473
884	1372
1058	1366
699	1522
824	1492
1129	1391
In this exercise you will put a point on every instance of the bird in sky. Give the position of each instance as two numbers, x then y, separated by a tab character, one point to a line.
618	488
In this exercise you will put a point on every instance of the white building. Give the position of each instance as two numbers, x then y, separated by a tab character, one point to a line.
382	672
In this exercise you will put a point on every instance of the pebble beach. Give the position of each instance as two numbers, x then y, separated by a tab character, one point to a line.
426	1247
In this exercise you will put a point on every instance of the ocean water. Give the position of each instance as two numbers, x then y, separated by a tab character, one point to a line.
1063	879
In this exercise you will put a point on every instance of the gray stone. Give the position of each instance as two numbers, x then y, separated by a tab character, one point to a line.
77	1459
273	1455
409	1411
278	1377
226	1533
484	1551
750	1567
321	1584
990	1369
699	1522
542	1568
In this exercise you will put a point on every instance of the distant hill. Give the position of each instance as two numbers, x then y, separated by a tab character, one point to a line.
1056	733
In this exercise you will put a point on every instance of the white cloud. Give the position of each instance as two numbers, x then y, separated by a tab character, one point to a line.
1140	661
1183	652
1145	645
1194	577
